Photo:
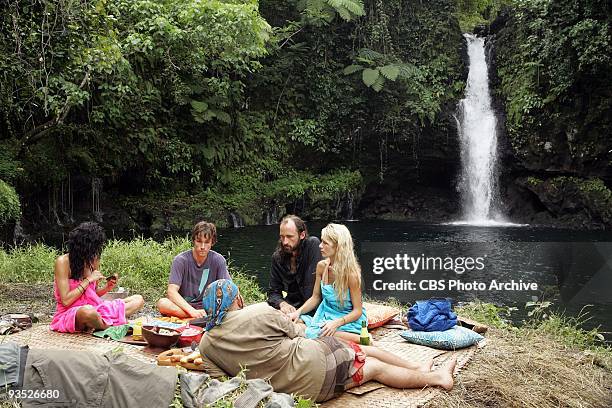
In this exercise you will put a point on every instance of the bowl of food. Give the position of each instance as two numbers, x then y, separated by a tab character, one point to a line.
190	334
160	336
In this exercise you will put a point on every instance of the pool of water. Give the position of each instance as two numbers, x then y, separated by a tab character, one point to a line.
505	265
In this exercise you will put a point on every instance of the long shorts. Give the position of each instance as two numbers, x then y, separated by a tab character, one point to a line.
343	366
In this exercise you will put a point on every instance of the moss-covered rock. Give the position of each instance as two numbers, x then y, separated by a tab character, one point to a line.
574	201
326	196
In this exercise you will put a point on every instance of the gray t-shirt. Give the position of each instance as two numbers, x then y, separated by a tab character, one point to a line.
194	279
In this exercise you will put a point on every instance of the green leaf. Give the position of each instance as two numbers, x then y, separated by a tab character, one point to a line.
410	71
351	69
344	13
379	83
370	76
209	153
390	71
199	106
370	54
224	117
347	9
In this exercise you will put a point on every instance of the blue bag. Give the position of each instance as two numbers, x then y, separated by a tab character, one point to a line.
432	315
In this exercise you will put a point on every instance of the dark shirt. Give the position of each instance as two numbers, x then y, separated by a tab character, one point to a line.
298	285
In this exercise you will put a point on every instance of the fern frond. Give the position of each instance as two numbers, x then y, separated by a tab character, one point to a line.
355	7
390	72
370	54
344	13
409	71
379	83
351	69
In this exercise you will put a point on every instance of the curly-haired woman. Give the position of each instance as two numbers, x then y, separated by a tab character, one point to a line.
79	306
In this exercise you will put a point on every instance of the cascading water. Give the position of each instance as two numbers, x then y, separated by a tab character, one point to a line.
237	221
477	131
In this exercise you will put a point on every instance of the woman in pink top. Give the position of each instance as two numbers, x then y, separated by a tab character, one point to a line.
79	306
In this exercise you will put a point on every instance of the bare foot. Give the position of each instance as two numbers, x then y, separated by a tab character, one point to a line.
444	375
426	365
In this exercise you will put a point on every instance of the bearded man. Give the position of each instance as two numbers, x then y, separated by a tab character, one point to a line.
293	265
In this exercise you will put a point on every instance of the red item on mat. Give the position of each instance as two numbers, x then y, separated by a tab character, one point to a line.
360	358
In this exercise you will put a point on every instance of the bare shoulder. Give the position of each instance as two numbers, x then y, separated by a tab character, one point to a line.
321	266
62	265
62	260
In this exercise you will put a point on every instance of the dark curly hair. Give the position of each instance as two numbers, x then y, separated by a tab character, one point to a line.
85	244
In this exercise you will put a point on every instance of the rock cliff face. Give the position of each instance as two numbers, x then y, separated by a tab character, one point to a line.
419	182
557	161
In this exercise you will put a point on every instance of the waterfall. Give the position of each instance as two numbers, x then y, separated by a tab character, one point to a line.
96	191
478	183
272	215
237	221
349	206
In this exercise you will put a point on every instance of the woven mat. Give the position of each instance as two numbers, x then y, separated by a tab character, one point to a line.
369	395
374	394
41	337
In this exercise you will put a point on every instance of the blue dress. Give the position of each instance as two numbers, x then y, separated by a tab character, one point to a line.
330	309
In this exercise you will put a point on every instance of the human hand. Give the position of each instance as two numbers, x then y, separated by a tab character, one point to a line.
329	328
197	313
294	315
111	281
95	276
286	308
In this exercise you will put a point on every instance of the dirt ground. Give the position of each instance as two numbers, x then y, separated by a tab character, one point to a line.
36	299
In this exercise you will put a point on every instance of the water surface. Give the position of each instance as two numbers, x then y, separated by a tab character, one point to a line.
571	268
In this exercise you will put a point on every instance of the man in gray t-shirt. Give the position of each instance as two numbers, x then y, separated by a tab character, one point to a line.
191	273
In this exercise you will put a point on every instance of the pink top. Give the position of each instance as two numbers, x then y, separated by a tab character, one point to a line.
112	312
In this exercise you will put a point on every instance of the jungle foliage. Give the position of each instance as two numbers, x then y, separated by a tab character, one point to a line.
555	78
217	96
250	104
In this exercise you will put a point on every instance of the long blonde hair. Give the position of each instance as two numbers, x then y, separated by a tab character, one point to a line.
345	263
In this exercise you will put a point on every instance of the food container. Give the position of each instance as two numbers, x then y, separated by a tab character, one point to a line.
137	330
190	334
118	293
160	336
22	320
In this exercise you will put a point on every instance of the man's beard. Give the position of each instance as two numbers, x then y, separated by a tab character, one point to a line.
289	250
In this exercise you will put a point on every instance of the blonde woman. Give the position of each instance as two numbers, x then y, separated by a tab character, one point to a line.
337	289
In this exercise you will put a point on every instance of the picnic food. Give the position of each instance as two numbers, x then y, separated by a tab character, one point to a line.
189	335
137	330
160	337
189	358
172	319
190	332
183	357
